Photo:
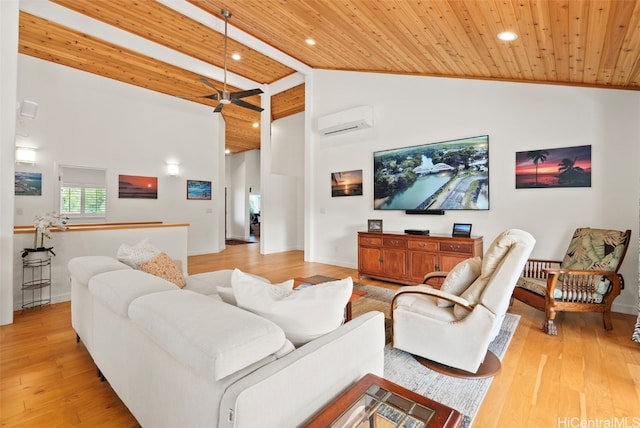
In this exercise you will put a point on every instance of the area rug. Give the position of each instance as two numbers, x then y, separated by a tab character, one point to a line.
464	395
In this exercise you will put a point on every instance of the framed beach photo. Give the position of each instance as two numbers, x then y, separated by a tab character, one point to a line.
346	183
199	190
137	187
28	183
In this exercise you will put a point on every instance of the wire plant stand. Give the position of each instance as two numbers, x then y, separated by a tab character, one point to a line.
36	281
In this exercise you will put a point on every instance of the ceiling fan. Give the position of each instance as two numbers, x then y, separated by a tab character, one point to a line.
224	96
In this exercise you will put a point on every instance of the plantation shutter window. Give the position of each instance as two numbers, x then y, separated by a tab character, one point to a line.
83	192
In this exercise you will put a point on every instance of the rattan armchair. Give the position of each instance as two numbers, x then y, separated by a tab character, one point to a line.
586	280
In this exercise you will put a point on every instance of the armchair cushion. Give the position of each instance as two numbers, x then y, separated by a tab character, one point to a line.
595	249
422	300
460	278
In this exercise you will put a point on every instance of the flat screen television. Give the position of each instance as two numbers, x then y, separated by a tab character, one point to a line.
448	175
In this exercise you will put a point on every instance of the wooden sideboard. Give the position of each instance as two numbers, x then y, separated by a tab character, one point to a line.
405	259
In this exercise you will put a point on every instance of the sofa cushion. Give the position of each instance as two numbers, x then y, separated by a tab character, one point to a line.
164	267
210	283
303	314
117	289
135	255
83	268
211	337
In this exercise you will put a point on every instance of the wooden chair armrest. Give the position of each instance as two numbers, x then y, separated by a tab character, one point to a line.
432	275
535	268
559	271
428	291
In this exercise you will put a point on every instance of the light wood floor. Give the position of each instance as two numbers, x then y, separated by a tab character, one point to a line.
584	375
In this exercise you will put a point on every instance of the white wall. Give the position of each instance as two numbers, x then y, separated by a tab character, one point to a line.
8	75
410	110
282	187
87	120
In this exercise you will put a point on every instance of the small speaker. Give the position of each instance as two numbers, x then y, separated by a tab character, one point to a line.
29	109
425	212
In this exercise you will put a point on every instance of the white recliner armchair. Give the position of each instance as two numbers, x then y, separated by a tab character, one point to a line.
454	325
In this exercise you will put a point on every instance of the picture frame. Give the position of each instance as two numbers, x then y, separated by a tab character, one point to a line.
28	183
346	183
199	190
137	187
461	230
552	168
374	225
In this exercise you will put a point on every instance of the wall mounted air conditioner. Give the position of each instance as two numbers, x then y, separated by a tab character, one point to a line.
346	121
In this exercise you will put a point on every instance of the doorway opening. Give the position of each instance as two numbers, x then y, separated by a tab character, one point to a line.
254	215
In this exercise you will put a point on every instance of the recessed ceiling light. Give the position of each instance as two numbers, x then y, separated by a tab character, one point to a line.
507	36
227	151
310	42
236	56
256	124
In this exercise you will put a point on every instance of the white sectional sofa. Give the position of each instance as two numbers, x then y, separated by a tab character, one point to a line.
184	358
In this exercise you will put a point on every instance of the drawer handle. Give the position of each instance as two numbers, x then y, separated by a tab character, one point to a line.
455	247
394	242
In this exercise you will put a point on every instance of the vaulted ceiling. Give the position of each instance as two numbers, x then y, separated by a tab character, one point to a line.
168	45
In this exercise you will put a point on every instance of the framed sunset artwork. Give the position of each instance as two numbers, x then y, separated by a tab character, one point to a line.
562	167
137	187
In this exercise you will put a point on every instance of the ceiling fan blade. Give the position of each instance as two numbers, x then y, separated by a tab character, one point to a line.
246	105
244	94
206	82
218	108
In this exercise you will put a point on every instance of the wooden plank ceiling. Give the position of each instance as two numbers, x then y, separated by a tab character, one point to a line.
567	42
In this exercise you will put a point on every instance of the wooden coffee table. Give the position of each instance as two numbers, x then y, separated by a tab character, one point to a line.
355	295
377	402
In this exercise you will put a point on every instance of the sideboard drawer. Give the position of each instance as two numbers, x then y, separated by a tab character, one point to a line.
365	240
395	242
423	245
456	248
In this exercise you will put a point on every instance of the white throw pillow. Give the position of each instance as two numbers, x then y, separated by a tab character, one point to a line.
303	314
226	294
135	255
460	278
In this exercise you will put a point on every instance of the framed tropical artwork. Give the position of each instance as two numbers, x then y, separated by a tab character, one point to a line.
562	167
199	190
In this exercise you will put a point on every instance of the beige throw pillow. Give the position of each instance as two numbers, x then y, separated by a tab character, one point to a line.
460	278
164	267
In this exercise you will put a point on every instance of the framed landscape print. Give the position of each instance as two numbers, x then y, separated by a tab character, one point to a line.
199	190
563	167
28	183
374	225
346	183
137	187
